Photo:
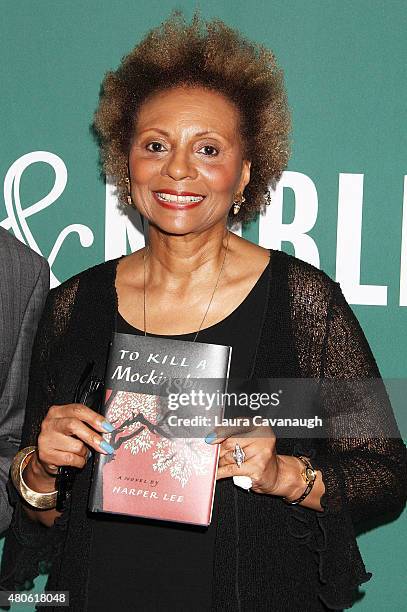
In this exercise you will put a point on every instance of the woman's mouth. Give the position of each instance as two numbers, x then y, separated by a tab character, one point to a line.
180	201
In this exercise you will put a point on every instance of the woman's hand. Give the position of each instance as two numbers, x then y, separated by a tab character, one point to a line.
67	433
271	473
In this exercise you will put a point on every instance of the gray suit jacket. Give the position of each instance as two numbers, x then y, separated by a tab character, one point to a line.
24	284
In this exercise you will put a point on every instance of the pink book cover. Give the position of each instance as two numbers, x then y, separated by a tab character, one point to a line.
160	469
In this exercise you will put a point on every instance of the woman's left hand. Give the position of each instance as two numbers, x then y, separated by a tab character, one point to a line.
271	473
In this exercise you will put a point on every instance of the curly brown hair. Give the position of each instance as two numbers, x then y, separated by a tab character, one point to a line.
212	55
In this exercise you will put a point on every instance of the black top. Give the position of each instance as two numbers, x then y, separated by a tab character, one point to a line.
267	555
168	566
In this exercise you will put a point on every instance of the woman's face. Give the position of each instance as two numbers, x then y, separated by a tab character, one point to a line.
186	162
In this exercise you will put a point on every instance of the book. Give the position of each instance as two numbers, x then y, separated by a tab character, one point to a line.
162	397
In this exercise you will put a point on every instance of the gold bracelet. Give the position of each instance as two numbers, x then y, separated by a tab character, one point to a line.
43	501
309	475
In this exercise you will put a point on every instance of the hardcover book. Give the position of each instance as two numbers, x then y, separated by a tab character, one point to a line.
162	397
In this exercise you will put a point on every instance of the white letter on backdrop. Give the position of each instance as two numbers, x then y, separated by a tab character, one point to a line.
120	226
403	257
349	242
17	215
272	230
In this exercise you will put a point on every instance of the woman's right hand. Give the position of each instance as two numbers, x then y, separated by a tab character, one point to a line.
67	433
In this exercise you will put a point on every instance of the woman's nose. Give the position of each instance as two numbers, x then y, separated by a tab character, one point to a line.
179	165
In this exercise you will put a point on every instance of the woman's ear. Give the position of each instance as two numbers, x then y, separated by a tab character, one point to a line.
245	175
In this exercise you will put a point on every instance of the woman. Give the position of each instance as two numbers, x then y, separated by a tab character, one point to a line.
194	126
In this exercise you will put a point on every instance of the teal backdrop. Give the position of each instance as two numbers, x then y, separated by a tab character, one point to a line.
342	204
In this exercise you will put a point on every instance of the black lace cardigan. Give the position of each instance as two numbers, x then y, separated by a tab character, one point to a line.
308	330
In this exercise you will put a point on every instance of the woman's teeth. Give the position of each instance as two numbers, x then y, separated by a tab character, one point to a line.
169	197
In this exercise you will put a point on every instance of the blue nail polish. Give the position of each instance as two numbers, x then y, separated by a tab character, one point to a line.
107	426
210	437
106	447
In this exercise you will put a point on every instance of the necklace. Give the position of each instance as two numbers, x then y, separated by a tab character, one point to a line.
213	292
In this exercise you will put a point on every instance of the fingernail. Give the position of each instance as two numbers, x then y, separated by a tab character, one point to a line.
210	437
106	447
107	426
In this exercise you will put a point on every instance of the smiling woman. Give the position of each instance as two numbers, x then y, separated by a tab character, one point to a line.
193	161
193	127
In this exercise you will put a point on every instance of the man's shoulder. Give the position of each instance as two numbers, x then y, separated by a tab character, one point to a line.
13	249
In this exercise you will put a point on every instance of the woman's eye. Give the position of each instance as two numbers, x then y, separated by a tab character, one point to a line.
209	150
155	146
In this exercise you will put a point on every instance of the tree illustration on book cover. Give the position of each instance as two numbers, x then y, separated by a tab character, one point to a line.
154	472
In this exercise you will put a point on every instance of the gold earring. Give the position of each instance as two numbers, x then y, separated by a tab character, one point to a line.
129	200
237	202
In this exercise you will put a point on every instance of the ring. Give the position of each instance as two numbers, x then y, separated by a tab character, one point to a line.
239	455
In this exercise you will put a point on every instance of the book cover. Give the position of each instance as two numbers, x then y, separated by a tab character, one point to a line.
163	397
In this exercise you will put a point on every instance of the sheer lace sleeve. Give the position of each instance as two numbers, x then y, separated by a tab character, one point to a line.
361	457
30	547
372	458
